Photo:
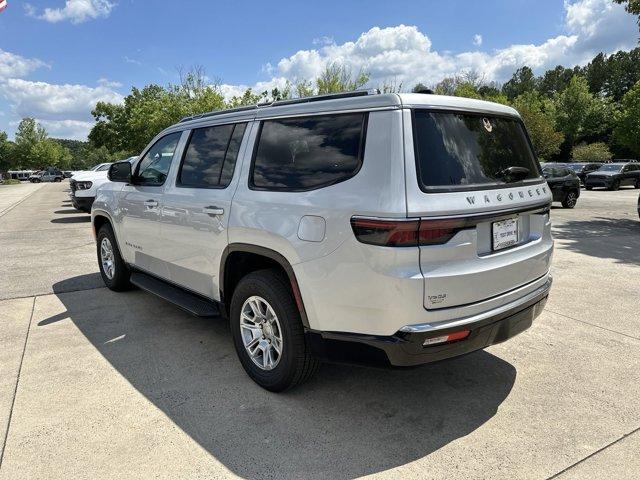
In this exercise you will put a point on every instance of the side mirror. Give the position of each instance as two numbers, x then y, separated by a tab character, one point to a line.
120	172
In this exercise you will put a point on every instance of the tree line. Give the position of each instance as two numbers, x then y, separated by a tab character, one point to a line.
582	114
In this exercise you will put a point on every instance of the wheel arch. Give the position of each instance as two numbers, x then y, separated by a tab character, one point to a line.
250	258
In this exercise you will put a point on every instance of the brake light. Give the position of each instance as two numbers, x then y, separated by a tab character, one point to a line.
405	232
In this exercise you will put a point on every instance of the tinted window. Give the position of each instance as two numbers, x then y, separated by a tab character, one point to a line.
154	166
460	150
310	152
210	158
103	167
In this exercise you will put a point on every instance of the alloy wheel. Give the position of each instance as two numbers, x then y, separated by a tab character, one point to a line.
261	333
106	258
571	200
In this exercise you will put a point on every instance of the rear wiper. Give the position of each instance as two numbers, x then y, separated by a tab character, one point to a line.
513	174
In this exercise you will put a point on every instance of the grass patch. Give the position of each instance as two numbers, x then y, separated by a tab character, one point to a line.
11	181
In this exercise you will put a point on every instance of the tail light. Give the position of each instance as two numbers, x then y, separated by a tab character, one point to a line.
406	232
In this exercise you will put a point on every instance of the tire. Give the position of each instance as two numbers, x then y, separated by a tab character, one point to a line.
637	184
295	364
615	185
588	188
117	276
58	180
570	200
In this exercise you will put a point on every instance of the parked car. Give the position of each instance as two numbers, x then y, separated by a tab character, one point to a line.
394	229
84	186
582	169
96	168
50	174
564	185
614	175
21	175
638	205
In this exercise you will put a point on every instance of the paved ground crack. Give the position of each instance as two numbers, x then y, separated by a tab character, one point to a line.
591	324
15	390
594	453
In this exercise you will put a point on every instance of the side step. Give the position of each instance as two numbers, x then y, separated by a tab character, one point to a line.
190	302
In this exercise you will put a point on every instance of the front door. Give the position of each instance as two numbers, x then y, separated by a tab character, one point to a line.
141	203
196	206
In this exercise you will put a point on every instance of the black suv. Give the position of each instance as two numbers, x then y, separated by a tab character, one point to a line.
582	169
614	175
564	184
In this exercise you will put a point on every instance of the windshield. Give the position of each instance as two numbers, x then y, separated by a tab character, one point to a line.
103	167
577	167
462	150
610	168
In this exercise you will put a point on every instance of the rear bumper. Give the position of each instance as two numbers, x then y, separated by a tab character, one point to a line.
405	347
82	203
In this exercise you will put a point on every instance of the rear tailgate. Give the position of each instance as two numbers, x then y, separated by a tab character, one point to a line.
481	235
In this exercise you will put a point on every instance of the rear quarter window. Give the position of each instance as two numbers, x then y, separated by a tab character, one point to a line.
306	153
465	151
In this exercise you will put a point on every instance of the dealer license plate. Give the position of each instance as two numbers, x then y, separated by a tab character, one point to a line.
505	233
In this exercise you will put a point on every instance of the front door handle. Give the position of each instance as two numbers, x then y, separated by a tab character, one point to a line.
213	211
151	203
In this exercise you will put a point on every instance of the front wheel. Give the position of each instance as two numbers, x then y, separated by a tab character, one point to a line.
114	271
570	200
637	184
267	332
615	185
588	188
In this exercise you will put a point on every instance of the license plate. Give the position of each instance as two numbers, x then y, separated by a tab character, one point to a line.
505	233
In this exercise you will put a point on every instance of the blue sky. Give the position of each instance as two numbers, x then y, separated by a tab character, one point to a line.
57	57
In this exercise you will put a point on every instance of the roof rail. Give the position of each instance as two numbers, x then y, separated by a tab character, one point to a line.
293	101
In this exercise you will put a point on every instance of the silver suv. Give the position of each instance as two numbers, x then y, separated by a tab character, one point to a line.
361	228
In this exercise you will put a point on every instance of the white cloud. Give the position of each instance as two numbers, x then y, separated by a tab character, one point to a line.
12	65
72	129
405	54
76	11
65	108
105	82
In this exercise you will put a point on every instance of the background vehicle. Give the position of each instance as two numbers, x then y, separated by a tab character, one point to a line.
20	174
99	167
564	185
50	174
84	185
614	175
582	169
394	229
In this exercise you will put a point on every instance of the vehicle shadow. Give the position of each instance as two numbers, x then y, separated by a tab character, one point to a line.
79	219
617	239
346	422
67	212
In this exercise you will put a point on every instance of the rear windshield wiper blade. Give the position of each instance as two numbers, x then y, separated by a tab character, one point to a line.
513	174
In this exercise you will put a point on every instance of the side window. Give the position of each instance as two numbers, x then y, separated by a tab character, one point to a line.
154	166
210	157
298	154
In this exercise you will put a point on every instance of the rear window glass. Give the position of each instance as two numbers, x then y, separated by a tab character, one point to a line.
210	157
310	152
461	150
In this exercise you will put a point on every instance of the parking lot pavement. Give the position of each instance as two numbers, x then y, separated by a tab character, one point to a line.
11	195
124	385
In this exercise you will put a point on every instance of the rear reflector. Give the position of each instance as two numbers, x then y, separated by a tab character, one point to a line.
451	337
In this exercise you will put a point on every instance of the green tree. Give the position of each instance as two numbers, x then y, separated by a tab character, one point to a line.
627	130
538	113
336	78
28	135
6	153
592	152
522	81
632	6
555	81
572	106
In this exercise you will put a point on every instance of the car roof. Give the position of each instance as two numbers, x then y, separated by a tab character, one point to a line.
360	100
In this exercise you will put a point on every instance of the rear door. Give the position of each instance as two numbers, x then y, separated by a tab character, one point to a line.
473	180
196	206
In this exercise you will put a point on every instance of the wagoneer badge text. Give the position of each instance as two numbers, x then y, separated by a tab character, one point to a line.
488	198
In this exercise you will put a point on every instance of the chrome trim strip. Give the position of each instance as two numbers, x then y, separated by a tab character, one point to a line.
432	327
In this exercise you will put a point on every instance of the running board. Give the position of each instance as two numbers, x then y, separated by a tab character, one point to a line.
187	301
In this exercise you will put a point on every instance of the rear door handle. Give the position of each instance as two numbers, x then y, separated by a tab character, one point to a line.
151	203
212	211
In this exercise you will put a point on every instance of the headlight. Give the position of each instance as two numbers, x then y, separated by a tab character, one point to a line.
83	185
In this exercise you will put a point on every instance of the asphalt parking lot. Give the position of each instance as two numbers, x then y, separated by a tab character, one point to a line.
95	384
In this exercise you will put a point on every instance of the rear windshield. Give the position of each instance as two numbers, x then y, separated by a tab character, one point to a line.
465	150
610	168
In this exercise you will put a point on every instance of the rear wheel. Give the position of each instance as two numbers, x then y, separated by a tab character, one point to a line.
114	271
588	188
615	185
267	332
570	200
